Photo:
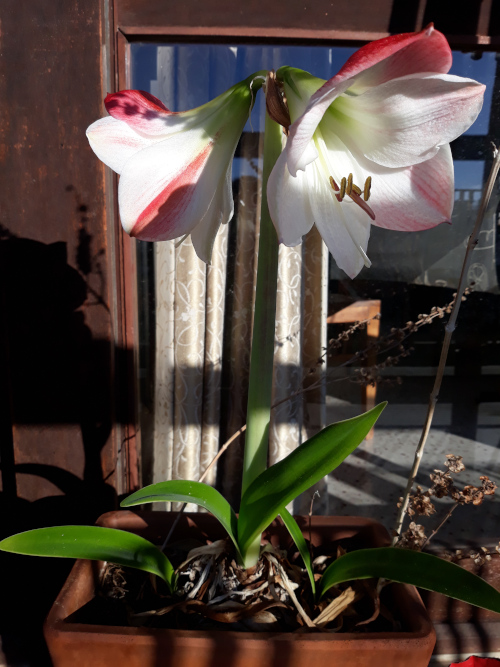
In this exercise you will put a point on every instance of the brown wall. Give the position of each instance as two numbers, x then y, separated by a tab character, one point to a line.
57	441
56	332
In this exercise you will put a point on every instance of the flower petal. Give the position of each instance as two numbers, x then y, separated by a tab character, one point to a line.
344	227
428	53
142	111
414	198
404	121
429	42
406	199
302	130
288	202
407	53
220	212
114	142
167	188
295	203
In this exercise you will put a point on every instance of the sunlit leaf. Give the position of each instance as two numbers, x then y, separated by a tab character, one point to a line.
301	544
306	465
94	543
412	567
189	492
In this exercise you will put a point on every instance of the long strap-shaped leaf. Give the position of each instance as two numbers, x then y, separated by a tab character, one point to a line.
184	491
301	544
94	543
302	468
412	567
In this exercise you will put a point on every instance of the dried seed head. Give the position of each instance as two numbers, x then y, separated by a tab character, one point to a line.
442	484
489	487
413	538
454	463
420	504
472	495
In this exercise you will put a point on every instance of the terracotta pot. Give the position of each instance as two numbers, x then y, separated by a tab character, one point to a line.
73	644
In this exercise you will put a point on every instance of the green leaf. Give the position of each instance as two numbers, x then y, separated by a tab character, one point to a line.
412	567
298	538
184	491
94	543
306	465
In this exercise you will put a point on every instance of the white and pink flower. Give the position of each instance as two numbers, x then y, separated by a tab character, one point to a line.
388	115
175	168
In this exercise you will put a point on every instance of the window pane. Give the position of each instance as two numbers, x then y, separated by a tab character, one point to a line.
411	273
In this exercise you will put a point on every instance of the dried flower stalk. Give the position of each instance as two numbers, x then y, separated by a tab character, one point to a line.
449	329
443	485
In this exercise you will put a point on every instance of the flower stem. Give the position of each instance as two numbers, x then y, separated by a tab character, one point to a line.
261	361
449	329
439	526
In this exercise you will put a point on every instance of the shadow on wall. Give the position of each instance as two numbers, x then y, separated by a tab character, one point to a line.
55	381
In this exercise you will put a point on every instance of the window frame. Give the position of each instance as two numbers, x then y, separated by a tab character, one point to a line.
256	22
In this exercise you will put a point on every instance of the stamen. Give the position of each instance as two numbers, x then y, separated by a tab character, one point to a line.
335	188
342	187
362	204
349	185
368	185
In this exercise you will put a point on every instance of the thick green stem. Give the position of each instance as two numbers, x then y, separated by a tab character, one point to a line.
261	361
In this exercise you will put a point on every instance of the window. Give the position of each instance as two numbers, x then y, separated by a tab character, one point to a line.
410	274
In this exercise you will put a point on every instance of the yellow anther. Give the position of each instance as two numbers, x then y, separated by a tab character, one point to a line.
368	185
348	189
335	188
342	188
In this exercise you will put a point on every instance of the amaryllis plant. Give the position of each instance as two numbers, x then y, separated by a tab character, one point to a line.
369	146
